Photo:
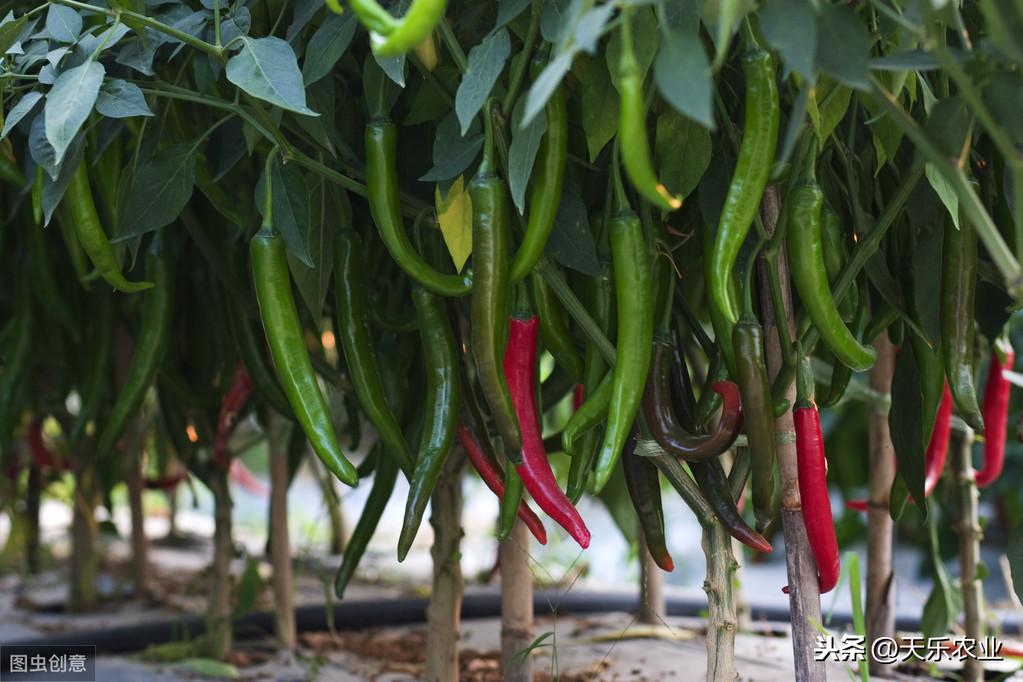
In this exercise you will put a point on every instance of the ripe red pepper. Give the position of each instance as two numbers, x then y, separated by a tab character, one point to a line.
813	491
491	474
520	372
167	482
996	415
234	401
937	449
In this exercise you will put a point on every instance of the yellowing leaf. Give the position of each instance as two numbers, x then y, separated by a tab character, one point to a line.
454	213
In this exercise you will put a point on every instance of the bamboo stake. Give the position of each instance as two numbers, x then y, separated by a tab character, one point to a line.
280	542
969	551
443	615
652	607
804	597
880	615
516	605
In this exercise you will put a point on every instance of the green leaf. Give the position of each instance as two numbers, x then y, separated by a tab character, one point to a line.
69	103
645	38
393	68
790	28
843	46
486	62
158	192
121	99
571	242
215	194
905	421
326	216
683	152
63	24
912	60
327	45
599	107
9	31
945	191
508	10
25	105
682	75
827	105
1004	25
452	153
729	14
544	85
267	69
290	207
522	154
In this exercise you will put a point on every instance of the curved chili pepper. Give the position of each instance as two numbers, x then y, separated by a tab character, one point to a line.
100	344
937	448
548	181
996	416
659	414
490	471
520	369
383	487
237	395
752	170
813	492
385	207
489	302
150	347
553	329
713	482
443	396
635	310
357	342
644	486
394	37
632	129
958	291
91	235
836	253
758	413
810	277
287	347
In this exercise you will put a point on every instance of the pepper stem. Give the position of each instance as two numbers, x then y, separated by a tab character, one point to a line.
268	195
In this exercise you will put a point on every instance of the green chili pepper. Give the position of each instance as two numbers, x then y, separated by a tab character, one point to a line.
644	486
100	342
357	342
44	283
545	195
880	321
441	418
150	347
713	482
489	304
810	277
91	235
17	364
385	207
291	359
752	170
635	310
553	328
513	492
758	414
958	291
394	37
836	253
379	494
632	128
841	373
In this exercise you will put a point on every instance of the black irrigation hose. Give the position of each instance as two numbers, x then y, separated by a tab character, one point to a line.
359	615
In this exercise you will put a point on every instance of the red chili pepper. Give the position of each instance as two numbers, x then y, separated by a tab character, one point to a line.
535	470
234	401
167	482
494	478
859	505
813	491
240	474
577	397
937	449
996	416
41	455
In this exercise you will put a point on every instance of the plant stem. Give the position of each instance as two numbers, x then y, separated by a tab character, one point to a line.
453	46
130	17
443	615
516	605
722	619
280	542
576	310
652	607
804	597
880	615
519	69
218	610
969	550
